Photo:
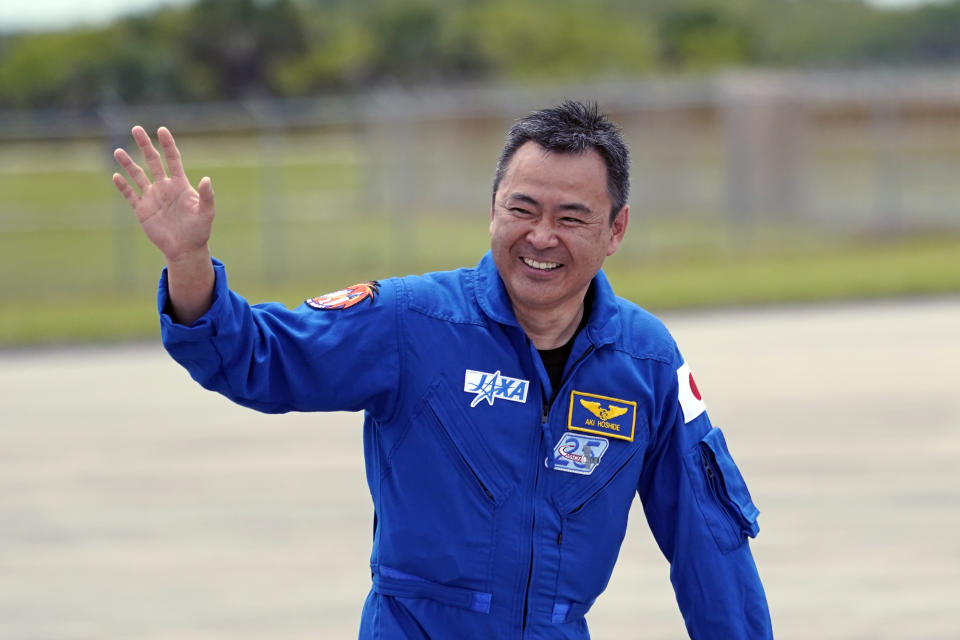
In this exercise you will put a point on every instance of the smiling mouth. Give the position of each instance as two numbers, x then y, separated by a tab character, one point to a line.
541	266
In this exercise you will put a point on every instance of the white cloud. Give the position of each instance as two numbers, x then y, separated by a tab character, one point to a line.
58	14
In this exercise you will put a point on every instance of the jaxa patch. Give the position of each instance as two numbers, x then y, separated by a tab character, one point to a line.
602	415
345	298
490	386
579	454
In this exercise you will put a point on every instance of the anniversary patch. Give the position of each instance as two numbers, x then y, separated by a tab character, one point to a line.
575	453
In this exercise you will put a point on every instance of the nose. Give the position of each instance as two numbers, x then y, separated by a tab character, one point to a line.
542	234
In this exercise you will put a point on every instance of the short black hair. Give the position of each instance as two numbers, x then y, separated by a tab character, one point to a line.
574	127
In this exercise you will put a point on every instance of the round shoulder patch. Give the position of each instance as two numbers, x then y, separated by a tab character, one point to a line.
345	298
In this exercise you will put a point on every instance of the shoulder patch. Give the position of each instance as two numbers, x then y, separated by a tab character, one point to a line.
691	402
345	298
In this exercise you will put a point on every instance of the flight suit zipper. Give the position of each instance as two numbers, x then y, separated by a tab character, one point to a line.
533	523
544	419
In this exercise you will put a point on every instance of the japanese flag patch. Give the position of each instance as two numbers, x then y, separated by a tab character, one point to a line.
691	402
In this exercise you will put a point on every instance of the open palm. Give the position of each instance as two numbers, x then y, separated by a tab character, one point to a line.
175	217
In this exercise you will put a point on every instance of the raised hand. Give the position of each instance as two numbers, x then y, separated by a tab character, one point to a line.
175	217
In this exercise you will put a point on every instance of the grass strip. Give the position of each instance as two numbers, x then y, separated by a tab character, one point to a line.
923	266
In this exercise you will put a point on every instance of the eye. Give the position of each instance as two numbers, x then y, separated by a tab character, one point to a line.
572	220
520	211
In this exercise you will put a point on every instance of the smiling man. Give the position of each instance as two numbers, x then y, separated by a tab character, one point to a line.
551	226
583	397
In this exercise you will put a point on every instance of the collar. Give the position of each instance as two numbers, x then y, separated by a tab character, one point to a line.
603	326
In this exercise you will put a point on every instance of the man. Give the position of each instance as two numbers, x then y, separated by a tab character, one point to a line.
512	410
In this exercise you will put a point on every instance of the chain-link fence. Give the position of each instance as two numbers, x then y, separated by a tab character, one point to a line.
397	180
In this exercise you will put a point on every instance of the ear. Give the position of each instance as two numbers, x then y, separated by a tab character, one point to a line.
492	214
618	229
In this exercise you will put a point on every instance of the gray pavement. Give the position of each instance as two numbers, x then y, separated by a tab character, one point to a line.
133	504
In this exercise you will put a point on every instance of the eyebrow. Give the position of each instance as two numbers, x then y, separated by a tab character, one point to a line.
576	206
522	197
566	206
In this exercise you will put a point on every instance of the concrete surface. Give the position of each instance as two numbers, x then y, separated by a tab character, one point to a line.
133	504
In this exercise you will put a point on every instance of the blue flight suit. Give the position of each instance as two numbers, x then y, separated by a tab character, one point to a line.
500	502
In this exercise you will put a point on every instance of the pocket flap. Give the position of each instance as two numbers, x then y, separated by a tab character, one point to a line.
731	480
392	582
721	492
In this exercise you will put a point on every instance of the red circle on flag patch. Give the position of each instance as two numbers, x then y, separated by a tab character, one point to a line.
693	388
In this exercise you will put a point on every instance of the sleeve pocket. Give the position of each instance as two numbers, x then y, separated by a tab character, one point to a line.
721	492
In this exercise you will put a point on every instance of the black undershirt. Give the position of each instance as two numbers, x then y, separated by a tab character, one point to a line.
554	360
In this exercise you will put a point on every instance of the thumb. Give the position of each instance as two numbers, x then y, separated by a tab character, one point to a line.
205	190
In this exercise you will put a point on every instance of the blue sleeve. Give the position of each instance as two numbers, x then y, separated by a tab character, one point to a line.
700	512
275	359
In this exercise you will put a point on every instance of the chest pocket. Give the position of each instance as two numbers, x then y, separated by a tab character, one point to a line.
440	497
575	492
593	518
464	444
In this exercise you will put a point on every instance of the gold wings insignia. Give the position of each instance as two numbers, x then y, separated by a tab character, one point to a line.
592	407
609	413
615	412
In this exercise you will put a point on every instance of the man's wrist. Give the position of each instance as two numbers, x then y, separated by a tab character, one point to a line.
190	284
190	259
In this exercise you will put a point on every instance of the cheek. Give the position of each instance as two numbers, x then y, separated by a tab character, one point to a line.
499	242
583	244
504	232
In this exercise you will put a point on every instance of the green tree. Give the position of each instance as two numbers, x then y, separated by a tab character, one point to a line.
238	41
566	39
83	68
703	37
227	49
929	34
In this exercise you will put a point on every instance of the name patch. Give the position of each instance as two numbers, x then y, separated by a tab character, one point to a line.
602	415
491	386
576	453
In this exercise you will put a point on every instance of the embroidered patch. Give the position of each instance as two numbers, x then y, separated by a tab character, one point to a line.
345	298
602	415
691	402
576	453
490	386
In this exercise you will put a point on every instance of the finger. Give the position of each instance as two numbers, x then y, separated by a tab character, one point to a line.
132	168
126	190
205	190
171	152
150	155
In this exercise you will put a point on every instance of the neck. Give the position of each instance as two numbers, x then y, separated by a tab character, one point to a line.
553	328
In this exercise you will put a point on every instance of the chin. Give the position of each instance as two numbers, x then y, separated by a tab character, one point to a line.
534	296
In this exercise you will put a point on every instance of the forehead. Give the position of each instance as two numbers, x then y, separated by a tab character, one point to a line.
568	174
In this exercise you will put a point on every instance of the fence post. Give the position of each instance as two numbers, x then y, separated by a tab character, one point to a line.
885	112
270	127
124	228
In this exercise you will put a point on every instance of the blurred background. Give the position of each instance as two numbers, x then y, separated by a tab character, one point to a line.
781	150
795	220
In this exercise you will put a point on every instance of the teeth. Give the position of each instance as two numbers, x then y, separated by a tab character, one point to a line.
540	265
